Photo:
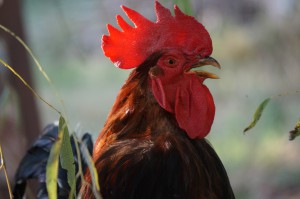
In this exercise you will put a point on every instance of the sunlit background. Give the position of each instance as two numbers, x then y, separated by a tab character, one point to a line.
257	43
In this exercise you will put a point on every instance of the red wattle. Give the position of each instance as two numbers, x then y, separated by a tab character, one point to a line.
189	100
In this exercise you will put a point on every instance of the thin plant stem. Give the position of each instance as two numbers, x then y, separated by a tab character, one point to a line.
2	166
28	86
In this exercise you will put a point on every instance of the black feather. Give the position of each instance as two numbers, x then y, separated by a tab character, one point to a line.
165	166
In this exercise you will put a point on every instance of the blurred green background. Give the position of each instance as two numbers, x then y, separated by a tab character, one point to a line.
257	43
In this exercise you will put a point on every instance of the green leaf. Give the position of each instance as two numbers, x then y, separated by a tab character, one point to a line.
52	164
80	172
66	155
296	132
93	171
258	114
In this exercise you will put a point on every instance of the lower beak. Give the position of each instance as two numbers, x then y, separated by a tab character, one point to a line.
205	62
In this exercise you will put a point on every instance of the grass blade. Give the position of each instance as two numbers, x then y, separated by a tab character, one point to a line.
258	114
29	51
39	66
80	172
52	164
28	86
66	155
2	166
93	171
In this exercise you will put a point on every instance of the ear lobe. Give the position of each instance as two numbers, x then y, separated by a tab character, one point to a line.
155	71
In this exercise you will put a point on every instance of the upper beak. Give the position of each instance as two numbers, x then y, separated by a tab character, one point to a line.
204	62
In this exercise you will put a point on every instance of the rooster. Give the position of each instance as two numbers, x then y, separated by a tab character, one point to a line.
153	143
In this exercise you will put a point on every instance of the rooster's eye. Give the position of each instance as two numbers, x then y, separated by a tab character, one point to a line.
171	62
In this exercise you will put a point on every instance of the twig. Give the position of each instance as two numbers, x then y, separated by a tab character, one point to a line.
2	166
28	86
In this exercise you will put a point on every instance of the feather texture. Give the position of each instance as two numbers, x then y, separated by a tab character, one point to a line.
142	152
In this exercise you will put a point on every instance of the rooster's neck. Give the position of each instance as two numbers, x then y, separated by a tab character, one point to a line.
136	112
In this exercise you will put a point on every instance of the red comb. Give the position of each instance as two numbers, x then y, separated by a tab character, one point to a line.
129	47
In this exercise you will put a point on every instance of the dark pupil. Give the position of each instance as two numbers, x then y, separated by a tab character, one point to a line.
171	61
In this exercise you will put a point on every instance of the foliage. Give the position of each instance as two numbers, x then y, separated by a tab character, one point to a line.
258	114
296	132
52	165
66	154
93	171
61	148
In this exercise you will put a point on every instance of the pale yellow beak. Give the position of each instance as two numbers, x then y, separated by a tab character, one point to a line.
205	62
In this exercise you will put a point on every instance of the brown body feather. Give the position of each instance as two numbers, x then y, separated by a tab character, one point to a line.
142	153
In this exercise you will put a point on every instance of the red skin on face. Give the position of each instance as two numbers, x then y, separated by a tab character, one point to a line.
183	94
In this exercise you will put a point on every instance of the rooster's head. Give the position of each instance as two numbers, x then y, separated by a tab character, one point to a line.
183	44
